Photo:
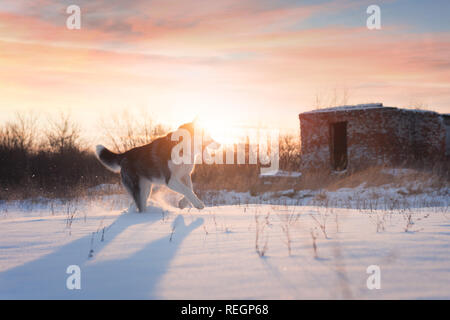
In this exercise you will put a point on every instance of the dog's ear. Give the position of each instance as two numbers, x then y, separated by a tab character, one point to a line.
188	126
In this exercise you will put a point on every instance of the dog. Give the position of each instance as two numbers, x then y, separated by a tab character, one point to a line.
142	167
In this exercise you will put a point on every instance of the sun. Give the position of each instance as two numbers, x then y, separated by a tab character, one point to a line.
215	113
216	129
222	131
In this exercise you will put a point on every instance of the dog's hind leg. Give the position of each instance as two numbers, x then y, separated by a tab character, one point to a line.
130	181
146	188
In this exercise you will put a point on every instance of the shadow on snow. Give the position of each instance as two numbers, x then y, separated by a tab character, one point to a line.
134	277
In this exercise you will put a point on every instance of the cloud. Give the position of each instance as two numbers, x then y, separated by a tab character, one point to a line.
250	52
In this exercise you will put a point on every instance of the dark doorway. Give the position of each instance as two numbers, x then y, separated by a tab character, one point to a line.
447	135
338	145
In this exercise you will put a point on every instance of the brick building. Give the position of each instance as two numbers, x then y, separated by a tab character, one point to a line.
371	134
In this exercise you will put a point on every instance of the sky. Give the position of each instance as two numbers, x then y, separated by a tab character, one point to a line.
257	62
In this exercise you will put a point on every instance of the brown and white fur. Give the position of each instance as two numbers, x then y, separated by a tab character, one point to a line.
144	166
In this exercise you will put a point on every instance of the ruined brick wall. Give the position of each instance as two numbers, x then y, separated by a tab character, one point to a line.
375	136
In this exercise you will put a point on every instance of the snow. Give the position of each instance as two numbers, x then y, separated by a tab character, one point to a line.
349	108
168	253
107	188
281	173
365	106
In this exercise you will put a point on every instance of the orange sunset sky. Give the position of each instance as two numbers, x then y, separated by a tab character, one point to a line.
252	61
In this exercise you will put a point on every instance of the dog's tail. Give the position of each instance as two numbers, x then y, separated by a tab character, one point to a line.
109	159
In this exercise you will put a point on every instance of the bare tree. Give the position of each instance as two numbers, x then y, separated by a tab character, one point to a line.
335	97
126	131
289	151
20	134
62	134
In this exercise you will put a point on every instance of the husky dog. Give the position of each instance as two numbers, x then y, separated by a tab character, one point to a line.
141	167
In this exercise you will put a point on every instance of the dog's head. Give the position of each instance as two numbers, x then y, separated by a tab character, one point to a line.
194	128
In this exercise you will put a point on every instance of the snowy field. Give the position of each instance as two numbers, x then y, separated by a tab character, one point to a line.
308	245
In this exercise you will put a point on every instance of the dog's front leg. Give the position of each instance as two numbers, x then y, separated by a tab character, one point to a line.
183	203
177	186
